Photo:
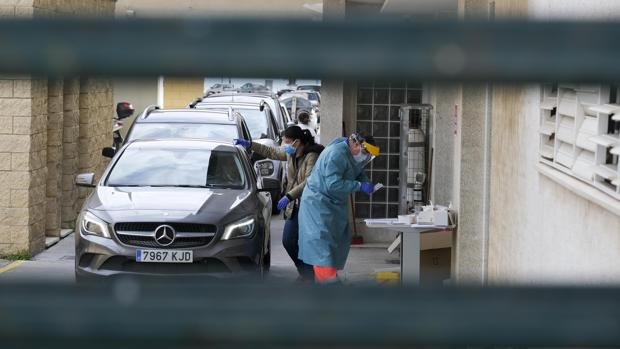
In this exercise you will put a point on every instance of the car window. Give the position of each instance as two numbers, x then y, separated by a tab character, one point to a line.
257	123
216	86
143	166
274	124
223	132
246	132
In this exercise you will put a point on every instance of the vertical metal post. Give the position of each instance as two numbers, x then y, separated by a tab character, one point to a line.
403	161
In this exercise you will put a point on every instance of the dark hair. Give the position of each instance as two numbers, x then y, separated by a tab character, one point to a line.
295	132
368	138
303	117
305	137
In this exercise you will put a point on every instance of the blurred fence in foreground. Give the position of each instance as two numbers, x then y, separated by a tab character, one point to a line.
128	314
372	49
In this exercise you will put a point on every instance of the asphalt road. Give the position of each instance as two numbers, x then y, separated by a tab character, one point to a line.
56	263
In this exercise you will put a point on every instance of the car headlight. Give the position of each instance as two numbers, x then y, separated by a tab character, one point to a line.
240	229
265	168
93	225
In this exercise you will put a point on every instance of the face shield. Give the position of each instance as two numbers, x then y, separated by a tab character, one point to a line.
368	151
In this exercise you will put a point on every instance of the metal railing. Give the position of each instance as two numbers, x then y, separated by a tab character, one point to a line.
463	51
128	314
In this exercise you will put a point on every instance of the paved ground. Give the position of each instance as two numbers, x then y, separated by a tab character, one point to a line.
56	263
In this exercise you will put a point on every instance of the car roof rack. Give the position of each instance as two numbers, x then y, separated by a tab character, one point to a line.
194	102
149	110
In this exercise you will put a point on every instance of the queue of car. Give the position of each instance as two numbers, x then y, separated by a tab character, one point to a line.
179	199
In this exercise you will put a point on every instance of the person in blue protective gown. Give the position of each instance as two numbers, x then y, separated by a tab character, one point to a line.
324	234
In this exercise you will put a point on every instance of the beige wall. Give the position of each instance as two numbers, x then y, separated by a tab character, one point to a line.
535	231
188	8
49	130
178	92
541	232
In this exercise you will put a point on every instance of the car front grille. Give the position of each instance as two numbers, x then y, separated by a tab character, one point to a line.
141	234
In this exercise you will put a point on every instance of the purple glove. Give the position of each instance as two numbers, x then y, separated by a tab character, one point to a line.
283	202
243	142
367	187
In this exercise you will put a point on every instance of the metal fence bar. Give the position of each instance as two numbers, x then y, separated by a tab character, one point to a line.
132	315
515	51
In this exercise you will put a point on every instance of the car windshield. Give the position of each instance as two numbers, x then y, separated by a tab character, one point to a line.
257	123
219	132
143	166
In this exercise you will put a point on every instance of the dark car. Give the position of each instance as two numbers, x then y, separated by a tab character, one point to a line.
263	128
175	207
219	125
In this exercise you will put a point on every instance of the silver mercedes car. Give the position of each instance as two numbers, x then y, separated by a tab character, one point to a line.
175	207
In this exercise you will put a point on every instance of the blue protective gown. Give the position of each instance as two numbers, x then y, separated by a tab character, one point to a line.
324	234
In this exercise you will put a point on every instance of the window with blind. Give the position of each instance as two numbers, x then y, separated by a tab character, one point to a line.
580	133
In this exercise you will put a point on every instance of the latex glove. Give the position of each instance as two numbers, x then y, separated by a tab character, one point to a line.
243	142
283	202
367	187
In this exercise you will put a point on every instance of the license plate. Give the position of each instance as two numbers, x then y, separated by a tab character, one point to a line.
164	256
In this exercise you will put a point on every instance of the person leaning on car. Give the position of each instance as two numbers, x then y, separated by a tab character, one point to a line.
301	152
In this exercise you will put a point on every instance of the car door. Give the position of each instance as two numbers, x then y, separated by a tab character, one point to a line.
245	133
264	199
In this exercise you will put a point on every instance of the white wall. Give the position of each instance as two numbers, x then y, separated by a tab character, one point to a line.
574	9
541	232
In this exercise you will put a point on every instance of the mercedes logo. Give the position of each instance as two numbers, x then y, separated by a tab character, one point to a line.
164	235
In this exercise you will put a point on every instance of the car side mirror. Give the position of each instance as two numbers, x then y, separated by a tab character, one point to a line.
85	180
108	152
264	168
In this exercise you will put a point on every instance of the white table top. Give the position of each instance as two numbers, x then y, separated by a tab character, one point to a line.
392	224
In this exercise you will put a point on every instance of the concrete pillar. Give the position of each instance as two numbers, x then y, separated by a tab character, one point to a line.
472	187
23	133
95	133
54	157
71	123
472	170
444	97
332	91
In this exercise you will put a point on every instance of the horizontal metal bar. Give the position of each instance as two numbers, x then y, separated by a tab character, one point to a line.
516	51
124	313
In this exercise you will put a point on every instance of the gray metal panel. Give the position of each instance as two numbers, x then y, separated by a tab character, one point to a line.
389	49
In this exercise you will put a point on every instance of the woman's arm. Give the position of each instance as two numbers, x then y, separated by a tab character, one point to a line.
269	152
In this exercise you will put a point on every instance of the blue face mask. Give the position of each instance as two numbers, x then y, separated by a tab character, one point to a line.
289	149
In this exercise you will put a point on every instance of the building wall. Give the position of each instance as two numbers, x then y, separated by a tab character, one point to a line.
40	131
540	232
189	8
139	92
178	92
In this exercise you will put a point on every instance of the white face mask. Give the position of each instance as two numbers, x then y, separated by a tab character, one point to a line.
361	157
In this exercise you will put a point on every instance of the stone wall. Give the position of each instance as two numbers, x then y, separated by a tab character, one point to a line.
49	131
